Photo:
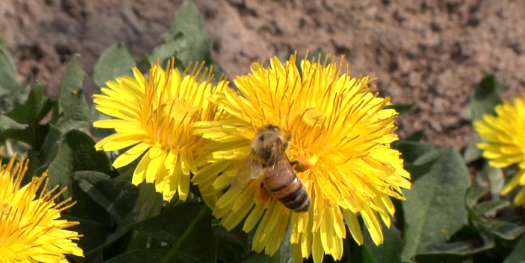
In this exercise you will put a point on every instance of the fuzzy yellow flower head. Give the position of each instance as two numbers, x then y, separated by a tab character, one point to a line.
338	126
505	141
155	116
30	228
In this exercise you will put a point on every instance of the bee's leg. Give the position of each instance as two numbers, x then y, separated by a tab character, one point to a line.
301	164
297	166
263	193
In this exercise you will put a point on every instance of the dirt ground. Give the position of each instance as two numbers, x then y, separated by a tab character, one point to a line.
431	53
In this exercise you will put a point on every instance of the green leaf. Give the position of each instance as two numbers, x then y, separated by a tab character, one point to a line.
141	255
117	197
257	258
472	152
163	53
32	135
453	252
50	145
187	228
121	232
504	230
7	123
283	57
390	251
366	255
75	153
474	194
148	205
150	202
484	101
410	150
114	62
518	254
7	65
284	254
30	114
87	208
491	177
34	110
490	228
187	40
232	245
435	208
401	108
34	164
188	30
490	208
354	253
486	97
12	92
423	166
416	136
94	234
72	105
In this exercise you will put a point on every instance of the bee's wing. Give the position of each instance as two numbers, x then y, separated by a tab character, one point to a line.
278	158
250	169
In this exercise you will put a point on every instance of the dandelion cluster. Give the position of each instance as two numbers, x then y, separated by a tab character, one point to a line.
30	226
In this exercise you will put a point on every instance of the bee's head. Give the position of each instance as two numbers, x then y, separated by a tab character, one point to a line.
267	136
265	139
270	127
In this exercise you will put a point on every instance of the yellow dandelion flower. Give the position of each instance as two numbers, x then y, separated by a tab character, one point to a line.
505	141
30	226
338	126
154	117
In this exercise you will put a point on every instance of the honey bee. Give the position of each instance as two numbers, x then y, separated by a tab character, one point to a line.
268	159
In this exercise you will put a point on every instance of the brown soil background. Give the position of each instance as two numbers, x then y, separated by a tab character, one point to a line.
431	53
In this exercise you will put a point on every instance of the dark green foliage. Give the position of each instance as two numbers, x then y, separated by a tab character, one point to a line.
116	197
486	97
186	227
12	92
72	111
34	110
390	252
433	209
231	245
141	255
518	254
187	41
76	152
114	62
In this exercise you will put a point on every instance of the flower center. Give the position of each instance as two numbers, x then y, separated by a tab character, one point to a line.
313	117
178	110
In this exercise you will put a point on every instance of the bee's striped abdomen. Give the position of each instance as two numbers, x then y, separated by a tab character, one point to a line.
289	190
